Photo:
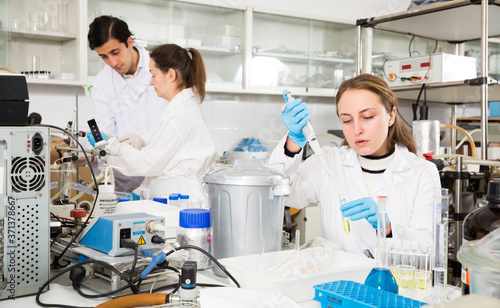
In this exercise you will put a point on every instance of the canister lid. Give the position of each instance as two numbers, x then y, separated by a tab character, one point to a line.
248	172
195	218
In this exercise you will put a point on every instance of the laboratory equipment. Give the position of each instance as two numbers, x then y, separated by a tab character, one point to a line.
184	201
316	265
345	220
195	228
432	68
481	222
173	199
310	136
380	276
343	293
24	209
105	232
427	136
248	148
246	199
440	246
482	259
14	100
106	200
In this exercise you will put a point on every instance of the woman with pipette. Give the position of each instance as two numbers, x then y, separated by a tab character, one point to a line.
377	158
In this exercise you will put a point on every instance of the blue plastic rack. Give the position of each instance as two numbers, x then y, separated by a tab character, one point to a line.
350	294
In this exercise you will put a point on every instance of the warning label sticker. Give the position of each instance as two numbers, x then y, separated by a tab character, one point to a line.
141	241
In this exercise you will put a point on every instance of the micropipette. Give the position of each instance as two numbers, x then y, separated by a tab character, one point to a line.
308	132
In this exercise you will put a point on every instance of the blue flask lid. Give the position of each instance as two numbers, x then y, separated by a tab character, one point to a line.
195	218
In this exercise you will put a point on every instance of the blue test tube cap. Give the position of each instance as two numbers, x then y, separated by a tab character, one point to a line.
195	218
184	197
123	200
161	200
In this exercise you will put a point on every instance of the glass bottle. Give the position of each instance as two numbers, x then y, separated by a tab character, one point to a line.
480	222
380	276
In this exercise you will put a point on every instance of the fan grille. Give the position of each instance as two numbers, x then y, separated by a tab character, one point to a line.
27	174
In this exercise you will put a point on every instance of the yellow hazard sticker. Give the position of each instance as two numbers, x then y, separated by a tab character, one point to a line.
141	241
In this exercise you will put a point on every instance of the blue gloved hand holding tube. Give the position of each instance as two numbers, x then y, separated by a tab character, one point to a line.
295	116
365	208
91	139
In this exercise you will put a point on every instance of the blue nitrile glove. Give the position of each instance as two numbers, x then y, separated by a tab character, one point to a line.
295	116
91	139
365	208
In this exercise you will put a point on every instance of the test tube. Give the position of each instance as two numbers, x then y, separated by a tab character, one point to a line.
440	246
345	220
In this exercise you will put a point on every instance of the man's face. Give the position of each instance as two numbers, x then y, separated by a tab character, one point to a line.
118	55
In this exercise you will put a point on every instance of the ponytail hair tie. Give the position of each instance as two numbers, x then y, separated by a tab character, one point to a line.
190	55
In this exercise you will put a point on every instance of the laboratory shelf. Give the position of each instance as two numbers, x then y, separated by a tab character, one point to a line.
459	92
303	57
57	82
448	21
41	35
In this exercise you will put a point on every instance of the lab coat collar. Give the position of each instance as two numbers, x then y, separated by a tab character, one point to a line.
142	65
403	162
182	96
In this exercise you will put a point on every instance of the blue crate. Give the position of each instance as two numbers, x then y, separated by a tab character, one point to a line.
347	294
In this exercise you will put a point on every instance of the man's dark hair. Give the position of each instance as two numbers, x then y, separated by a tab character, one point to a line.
106	27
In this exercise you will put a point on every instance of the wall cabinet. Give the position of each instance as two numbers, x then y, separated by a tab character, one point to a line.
244	51
44	36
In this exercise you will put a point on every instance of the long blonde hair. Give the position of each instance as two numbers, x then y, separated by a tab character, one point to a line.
398	132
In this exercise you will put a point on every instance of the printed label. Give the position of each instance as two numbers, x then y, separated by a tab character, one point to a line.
11	247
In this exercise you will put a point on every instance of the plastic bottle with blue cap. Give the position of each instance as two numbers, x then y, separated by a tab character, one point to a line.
184	201
195	228
173	199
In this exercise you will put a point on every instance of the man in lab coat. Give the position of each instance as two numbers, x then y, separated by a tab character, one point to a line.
126	105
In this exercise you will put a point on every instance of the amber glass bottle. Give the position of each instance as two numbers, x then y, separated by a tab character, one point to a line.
480	222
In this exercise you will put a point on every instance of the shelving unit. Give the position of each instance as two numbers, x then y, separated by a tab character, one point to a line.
57	39
446	22
449	22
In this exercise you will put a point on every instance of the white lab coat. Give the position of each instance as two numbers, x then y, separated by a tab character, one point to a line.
121	109
178	155
409	182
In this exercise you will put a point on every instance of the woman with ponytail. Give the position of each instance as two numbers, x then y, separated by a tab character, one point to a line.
181	147
377	158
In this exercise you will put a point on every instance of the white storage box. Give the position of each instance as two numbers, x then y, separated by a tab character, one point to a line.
296	283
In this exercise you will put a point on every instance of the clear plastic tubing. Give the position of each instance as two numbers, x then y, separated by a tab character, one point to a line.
308	132
440	246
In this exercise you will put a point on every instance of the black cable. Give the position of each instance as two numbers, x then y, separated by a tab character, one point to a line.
409	47
415	106
435	47
210	256
132	270
57	258
37	298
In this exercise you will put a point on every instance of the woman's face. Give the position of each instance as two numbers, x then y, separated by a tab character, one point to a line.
159	80
365	122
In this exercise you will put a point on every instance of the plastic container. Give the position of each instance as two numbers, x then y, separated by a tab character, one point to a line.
184	201
106	200
352	294
495	109
482	258
195	229
248	148
161	200
173	199
251	272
